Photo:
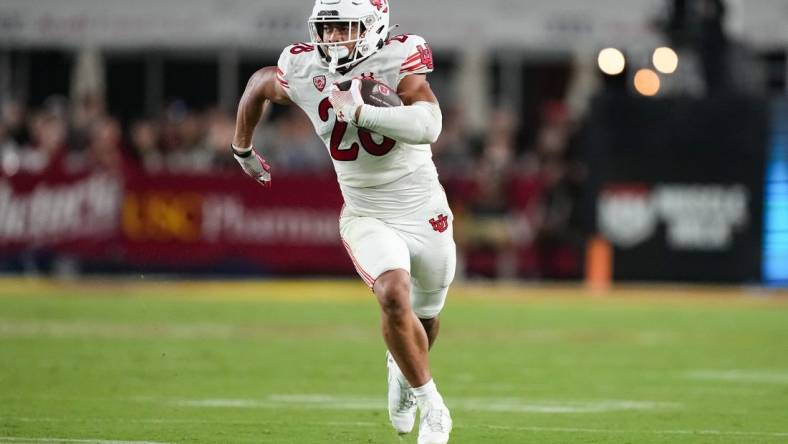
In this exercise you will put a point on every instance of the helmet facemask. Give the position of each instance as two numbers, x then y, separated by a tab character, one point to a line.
367	24
336	53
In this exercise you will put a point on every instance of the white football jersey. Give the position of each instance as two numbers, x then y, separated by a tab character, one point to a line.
361	159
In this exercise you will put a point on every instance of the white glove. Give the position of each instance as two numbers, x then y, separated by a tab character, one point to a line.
346	103
253	165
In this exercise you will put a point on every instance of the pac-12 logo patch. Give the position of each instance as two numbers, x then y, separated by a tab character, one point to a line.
440	223
320	82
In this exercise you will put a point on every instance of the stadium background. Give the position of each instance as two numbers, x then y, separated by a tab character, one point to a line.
622	244
541	152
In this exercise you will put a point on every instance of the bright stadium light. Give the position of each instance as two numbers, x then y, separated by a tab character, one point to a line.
665	60
611	61
647	82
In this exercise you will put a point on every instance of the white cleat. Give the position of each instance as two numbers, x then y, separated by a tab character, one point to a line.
402	402
435	424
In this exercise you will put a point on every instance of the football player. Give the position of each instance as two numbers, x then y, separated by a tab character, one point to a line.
396	223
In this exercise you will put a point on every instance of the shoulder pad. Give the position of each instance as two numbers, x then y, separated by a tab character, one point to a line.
417	54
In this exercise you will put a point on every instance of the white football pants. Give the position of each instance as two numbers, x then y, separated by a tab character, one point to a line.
421	243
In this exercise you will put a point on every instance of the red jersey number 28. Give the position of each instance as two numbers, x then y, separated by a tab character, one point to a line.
364	136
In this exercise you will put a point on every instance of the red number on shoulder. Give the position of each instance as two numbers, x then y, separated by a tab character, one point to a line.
298	48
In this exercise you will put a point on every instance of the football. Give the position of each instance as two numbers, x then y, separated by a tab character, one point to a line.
375	93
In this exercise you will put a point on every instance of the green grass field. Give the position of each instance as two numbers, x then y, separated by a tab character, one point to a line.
303	362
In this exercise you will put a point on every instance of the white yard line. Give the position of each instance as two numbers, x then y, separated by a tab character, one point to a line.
67	440
576	430
736	375
651	432
186	421
13	328
510	405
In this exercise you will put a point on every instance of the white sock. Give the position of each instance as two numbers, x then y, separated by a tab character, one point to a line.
427	392
400	377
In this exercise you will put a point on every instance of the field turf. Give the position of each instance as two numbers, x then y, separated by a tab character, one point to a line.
303	362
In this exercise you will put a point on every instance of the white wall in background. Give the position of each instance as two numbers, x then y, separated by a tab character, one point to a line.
543	25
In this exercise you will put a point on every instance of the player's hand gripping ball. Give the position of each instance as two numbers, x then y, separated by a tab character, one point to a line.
347	96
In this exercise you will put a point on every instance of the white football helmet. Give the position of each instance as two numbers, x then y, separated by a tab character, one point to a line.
367	20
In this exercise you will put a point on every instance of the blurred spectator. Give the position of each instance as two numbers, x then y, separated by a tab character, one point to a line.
294	146
185	152
145	145
47	142
557	240
88	110
452	151
13	116
9	156
221	128
105	148
488	231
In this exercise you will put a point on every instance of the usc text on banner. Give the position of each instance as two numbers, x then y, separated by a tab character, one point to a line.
176	222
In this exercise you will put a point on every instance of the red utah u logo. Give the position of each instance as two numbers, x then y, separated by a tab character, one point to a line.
425	54
440	223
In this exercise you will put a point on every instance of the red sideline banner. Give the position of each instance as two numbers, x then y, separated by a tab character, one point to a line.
77	213
177	221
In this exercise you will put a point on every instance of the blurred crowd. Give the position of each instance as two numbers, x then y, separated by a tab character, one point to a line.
84	136
514	201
